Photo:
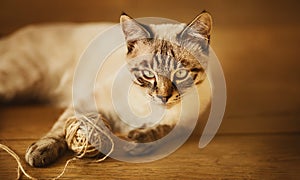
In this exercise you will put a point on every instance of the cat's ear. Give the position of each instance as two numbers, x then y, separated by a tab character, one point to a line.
133	30
198	30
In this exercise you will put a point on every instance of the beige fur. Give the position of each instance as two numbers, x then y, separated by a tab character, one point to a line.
39	62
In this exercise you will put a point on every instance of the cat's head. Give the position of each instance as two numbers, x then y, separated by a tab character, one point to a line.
162	58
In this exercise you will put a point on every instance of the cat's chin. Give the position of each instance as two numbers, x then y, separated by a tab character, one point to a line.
170	105
167	105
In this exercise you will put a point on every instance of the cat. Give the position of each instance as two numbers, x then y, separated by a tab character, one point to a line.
38	62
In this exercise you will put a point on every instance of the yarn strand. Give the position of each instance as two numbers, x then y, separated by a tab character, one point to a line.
107	135
17	158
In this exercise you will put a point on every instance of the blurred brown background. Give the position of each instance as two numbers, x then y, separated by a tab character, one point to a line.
229	13
257	43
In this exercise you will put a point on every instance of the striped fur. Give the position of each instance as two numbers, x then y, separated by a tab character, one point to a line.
165	50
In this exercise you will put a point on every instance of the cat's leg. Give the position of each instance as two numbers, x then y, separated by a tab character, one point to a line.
50	147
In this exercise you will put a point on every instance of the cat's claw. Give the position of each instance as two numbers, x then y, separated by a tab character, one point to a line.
45	151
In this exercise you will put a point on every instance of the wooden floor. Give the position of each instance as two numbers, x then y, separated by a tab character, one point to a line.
228	156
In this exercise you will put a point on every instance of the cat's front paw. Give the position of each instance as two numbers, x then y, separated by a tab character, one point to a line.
139	138
45	151
142	135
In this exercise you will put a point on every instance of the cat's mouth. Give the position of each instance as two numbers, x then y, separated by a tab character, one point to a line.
167	103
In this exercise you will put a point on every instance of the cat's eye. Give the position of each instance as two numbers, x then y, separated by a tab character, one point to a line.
148	74
181	74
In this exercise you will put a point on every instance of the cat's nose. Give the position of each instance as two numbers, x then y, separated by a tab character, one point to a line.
164	99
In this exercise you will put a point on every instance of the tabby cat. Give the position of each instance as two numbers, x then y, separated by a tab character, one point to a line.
38	62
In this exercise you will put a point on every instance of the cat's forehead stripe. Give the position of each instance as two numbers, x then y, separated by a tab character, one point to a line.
164	62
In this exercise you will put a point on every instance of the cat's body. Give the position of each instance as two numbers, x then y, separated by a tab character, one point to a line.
41	59
39	62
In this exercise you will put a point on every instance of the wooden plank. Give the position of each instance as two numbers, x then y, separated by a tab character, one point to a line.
29	122
32	122
260	125
227	157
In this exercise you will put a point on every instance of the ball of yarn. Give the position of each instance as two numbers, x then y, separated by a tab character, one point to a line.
88	136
